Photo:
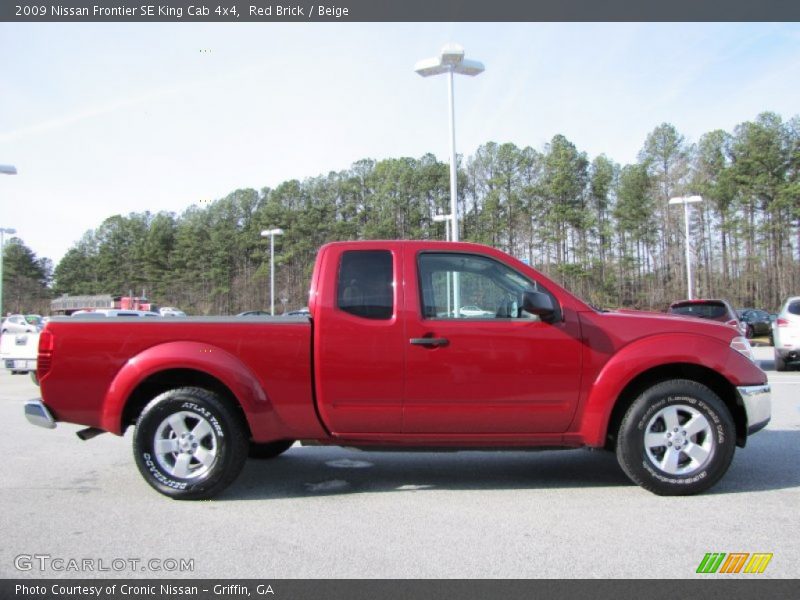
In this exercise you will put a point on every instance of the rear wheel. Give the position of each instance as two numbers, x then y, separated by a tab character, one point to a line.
676	439
780	363
189	444
269	450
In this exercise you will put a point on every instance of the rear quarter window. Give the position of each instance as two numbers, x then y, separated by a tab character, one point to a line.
366	284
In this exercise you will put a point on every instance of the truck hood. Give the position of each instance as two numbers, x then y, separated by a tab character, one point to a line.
625	325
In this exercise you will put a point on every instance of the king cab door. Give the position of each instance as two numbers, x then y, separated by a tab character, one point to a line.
476	362
359	338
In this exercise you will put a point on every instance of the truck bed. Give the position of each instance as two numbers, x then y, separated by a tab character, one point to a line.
265	361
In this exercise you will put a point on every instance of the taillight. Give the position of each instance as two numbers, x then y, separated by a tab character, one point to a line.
44	359
782	323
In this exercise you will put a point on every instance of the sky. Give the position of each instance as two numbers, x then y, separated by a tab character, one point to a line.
103	119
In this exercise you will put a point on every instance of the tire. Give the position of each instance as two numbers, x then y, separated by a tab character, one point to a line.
163	439
750	332
656	420
780	363
268	450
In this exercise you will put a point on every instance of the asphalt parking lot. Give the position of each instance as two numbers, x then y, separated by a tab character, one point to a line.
337	513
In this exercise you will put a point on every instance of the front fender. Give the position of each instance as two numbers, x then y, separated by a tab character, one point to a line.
648	353
205	358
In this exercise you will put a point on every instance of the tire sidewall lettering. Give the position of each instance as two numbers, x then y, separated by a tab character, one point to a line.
673	480
159	475
207	415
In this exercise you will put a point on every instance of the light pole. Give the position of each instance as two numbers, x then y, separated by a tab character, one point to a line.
686	201
271	233
3	231
448	221
5	170
450	61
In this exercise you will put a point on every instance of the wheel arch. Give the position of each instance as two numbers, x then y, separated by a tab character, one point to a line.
162	381
182	364
716	382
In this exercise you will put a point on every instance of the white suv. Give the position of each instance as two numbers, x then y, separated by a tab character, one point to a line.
22	324
786	334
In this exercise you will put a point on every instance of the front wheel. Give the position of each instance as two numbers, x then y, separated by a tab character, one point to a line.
189	444
676	439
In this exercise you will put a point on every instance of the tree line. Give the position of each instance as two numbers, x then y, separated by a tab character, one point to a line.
604	230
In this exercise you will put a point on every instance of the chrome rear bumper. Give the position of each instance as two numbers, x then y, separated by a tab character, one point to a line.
37	414
757	401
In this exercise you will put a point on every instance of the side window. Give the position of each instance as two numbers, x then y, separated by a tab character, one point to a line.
465	286
365	286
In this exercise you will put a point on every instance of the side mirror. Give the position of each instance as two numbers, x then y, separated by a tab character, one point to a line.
538	303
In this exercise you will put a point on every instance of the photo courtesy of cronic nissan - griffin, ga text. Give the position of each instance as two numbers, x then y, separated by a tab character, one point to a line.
435	345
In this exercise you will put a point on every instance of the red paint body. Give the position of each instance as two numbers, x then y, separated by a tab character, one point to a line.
342	379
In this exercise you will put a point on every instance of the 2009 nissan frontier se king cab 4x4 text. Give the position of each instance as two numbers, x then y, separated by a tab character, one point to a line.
388	358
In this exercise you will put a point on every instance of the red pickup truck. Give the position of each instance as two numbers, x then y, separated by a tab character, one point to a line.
390	357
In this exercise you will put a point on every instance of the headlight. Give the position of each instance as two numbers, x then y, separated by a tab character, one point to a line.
741	345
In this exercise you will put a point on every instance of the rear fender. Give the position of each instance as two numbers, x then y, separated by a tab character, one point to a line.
205	358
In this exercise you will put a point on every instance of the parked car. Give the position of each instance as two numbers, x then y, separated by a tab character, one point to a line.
757	322
300	312
254	313
475	311
22	324
113	312
379	367
786	335
18	352
715	310
171	311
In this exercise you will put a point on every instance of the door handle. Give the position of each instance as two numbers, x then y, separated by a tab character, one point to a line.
431	342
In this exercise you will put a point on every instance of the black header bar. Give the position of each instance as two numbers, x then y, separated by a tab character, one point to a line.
270	11
383	589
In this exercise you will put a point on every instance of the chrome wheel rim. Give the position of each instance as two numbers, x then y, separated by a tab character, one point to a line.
679	440
185	445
